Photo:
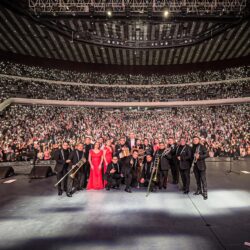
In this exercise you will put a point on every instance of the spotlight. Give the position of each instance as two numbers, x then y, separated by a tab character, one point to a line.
165	13
109	13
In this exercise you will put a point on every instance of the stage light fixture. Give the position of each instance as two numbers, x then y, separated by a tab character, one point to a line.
109	13
166	13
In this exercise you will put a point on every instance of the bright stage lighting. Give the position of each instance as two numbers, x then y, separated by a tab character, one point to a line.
165	13
109	13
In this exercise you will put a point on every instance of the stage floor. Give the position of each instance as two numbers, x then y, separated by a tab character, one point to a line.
32	216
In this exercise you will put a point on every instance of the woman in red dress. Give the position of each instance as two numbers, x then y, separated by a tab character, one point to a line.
95	161
108	153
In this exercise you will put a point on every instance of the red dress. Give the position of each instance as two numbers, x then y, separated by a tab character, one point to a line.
95	177
108	157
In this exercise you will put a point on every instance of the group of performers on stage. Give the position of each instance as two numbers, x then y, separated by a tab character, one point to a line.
96	166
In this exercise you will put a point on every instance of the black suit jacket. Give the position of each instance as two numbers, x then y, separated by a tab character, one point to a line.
111	166
173	159
185	155
201	164
147	170
60	160
128	143
128	168
164	163
75	156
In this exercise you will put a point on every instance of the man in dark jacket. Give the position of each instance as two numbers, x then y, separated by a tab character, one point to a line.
130	170
199	154
61	157
80	176
113	174
183	155
164	155
131	141
87	147
173	160
147	169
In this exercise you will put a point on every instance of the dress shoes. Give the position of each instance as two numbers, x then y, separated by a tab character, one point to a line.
116	187
198	192
205	196
69	194
128	190
60	192
185	192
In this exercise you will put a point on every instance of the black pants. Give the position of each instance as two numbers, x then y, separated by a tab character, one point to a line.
146	183
185	177
113	180
62	186
130	177
174	172
77	182
163	178
85	173
81	178
200	176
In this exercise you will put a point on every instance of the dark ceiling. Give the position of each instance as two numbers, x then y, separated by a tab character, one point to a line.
123	41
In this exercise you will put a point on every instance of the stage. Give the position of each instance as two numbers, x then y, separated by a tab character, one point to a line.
33	216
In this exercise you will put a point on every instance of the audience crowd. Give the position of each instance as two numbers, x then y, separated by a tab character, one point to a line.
41	90
15	69
224	129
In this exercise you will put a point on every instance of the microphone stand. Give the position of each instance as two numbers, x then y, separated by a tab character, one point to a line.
231	167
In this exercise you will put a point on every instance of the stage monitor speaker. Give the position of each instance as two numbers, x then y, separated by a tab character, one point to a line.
38	172
6	172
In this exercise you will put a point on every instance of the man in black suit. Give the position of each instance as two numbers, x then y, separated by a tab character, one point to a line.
165	156
87	147
147	169
120	147
147	147
79	180
184	154
113	174
199	154
173	163
130	171
61	157
131	142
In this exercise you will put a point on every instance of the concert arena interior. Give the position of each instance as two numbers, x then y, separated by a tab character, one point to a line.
124	124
